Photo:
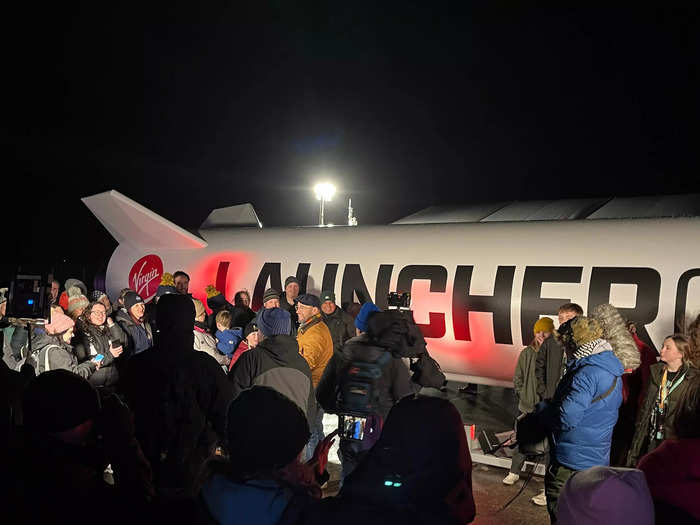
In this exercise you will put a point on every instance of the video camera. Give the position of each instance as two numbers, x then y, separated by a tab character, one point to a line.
28	299
399	301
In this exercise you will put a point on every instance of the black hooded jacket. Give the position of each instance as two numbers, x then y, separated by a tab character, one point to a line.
276	363
394	384
179	397
341	326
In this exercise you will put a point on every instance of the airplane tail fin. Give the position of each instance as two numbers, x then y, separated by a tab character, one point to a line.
130	223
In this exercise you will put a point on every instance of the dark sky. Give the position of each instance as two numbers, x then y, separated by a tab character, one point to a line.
190	108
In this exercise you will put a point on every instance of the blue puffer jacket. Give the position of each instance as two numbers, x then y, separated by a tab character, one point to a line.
582	430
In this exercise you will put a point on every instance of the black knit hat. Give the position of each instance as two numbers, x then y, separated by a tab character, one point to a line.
131	299
289	280
58	400
265	429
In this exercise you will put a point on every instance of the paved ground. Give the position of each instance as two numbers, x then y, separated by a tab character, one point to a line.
494	408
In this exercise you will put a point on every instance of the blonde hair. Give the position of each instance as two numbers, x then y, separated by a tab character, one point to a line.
616	333
224	318
685	347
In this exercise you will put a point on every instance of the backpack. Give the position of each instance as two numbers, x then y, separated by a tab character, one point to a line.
358	394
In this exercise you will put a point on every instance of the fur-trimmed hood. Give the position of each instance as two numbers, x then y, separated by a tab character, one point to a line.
615	332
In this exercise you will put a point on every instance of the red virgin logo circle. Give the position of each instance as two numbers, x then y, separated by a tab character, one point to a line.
145	276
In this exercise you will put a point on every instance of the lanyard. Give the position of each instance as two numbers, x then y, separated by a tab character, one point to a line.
664	392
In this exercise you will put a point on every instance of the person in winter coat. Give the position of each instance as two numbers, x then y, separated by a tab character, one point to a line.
241	302
216	303
203	340
393	385
227	338
340	324
262	481
583	411
616	333
97	334
275	362
673	469
53	350
288	299
166	286
525	384
131	319
57	468
551	358
316	345
409	477
668	382
179	397
640	377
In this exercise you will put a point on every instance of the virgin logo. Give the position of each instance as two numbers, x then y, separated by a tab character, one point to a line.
145	276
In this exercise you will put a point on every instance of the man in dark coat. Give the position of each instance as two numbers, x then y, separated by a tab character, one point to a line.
275	362
179	397
341	324
549	365
394	383
288	298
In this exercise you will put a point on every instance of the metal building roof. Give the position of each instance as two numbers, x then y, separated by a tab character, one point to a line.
687	205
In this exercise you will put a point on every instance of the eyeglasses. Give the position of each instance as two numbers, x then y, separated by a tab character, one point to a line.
98	313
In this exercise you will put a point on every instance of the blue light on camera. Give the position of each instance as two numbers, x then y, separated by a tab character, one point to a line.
30	301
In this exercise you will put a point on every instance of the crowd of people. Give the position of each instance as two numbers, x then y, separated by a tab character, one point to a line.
602	410
214	413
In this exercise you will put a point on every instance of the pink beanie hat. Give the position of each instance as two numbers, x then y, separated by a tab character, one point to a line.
59	323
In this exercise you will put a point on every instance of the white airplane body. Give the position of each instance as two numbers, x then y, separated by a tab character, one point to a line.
477	288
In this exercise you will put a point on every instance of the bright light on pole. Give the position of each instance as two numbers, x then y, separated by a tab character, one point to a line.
324	192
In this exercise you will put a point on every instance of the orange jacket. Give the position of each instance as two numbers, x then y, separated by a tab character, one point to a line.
316	345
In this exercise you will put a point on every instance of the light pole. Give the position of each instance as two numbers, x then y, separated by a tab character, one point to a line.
324	192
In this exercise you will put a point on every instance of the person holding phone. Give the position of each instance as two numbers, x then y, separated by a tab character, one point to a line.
98	335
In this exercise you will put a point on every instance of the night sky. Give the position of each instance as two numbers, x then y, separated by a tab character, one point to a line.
189	108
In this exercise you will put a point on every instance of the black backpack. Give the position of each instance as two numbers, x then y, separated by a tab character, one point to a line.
358	393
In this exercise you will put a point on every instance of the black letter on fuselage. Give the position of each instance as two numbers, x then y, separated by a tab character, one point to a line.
329	273
498	303
302	276
648	283
353	283
679	320
532	305
437	275
269	271
382	288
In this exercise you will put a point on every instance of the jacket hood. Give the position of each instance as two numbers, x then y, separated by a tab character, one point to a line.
40	340
261	502
605	360
280	346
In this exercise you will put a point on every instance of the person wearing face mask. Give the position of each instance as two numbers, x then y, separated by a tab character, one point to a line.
139	335
668	381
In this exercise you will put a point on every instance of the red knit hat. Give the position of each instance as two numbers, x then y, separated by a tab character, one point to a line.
59	323
63	300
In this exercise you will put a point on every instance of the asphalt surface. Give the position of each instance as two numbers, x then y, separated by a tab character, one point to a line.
494	408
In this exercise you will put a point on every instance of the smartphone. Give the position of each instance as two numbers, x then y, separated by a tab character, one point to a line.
98	358
352	427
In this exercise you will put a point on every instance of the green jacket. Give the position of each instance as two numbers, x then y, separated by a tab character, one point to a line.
641	445
525	381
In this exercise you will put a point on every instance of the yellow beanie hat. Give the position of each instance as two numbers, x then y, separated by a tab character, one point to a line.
211	291
167	280
544	324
